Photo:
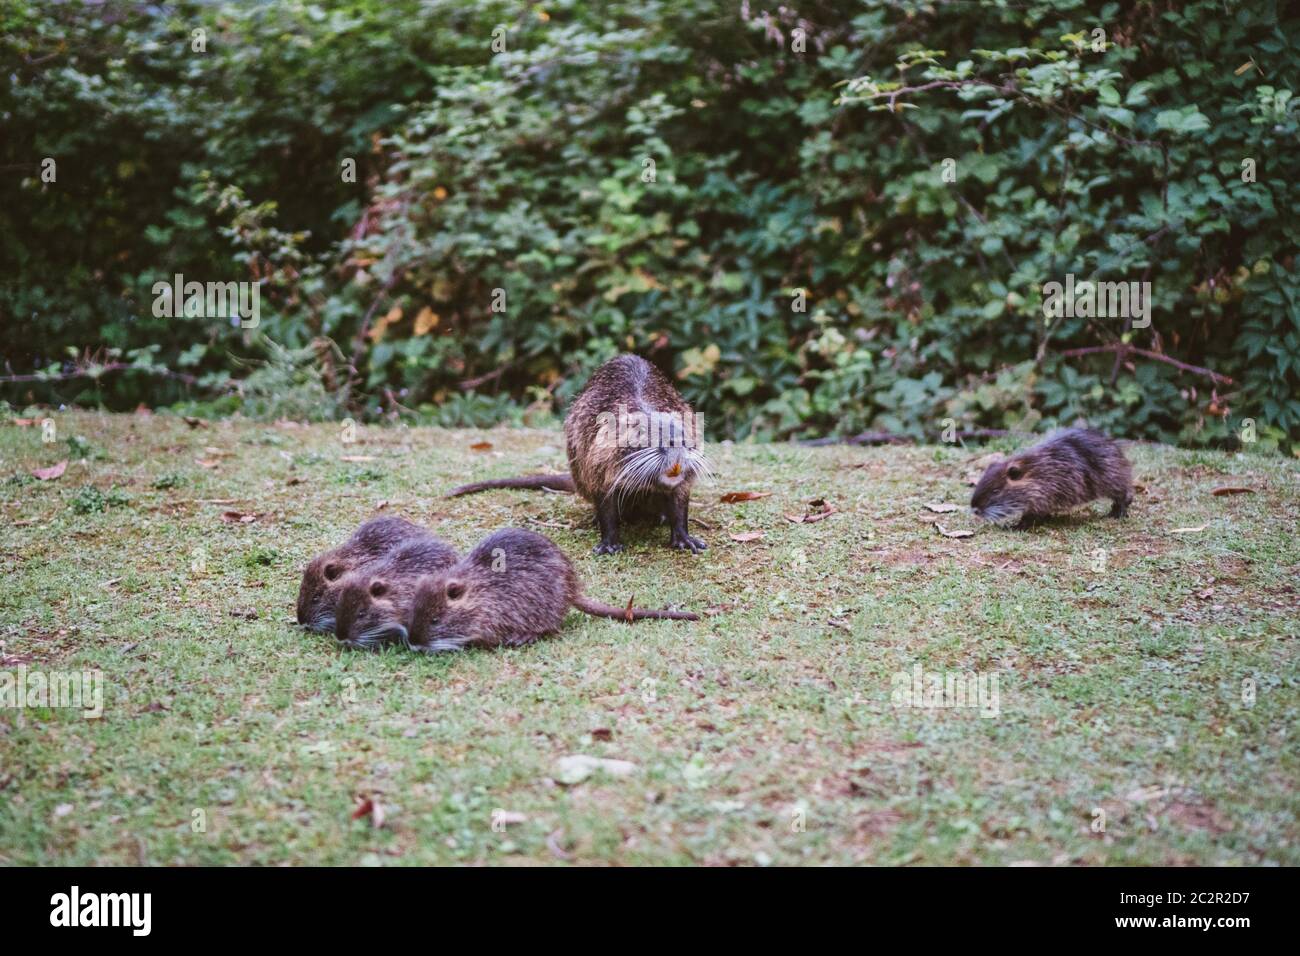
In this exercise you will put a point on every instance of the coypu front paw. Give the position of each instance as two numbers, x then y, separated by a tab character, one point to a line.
608	547
685	542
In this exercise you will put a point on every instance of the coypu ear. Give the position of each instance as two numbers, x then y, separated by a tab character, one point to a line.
332	572
455	590
378	588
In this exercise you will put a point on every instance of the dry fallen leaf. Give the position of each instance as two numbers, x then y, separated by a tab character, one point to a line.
1189	530
747	536
1146	794
576	768
376	333
1232	490
372	808
237	517
942	509
820	510
357	458
54	471
731	497
195	422
425	321
24	422
206	462
294	481
627	614
953	534
481	446
553	844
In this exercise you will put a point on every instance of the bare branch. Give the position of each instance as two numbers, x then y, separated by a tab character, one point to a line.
1147	353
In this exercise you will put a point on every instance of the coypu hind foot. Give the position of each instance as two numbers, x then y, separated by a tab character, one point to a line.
1119	506
674	511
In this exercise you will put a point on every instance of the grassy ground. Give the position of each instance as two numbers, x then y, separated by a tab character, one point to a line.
767	732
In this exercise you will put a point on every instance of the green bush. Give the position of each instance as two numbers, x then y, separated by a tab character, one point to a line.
673	178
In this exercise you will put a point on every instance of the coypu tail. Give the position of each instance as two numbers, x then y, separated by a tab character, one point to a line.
552	482
629	614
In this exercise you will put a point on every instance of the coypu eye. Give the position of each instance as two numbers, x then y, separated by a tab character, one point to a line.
1014	473
378	589
332	571
455	591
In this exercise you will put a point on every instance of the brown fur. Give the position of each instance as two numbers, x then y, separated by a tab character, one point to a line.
599	464
1066	470
318	594
374	599
513	588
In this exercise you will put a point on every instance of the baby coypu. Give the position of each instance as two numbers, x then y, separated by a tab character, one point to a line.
1068	469
513	588
318	594
374	599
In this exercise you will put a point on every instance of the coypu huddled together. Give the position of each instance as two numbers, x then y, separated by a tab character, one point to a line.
514	587
634	449
373	542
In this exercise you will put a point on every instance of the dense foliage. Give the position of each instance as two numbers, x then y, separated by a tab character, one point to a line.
825	220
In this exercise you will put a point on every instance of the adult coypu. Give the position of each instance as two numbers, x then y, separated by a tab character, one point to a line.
633	441
514	587
318	593
374	599
1068	469
633	446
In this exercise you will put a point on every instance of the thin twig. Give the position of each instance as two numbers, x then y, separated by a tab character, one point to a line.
98	371
484	379
1147	353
